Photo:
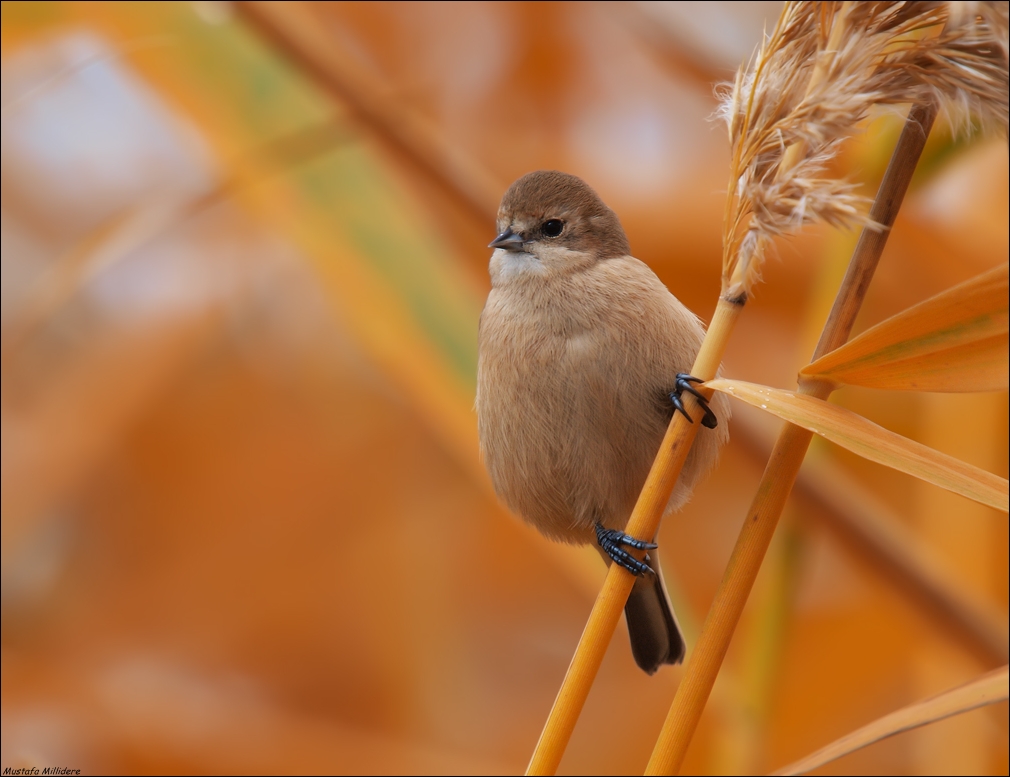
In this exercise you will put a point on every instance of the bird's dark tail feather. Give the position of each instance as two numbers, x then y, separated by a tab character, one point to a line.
655	634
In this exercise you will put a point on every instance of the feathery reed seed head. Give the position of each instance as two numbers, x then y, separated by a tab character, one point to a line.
811	83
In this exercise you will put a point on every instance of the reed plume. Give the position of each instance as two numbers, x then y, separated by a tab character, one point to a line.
811	84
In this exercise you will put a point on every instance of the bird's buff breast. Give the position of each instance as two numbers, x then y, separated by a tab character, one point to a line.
554	418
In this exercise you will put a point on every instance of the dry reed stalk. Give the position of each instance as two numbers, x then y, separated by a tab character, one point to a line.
671	47
644	522
127	232
298	33
783	466
860	521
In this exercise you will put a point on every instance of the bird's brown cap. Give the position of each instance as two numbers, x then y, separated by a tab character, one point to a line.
548	194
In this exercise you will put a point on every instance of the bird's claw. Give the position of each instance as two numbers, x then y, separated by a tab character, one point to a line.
611	541
682	384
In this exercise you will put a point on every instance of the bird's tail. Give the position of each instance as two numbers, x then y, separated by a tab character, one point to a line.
656	638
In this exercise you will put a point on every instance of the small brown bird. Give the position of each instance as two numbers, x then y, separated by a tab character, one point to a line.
583	355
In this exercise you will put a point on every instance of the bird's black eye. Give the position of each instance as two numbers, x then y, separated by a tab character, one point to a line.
552	227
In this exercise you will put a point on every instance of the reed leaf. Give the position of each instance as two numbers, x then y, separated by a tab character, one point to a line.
866	439
955	341
990	688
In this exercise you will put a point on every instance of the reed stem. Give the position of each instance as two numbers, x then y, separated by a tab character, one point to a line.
644	522
780	473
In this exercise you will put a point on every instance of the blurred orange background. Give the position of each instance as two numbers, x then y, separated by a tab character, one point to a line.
245	523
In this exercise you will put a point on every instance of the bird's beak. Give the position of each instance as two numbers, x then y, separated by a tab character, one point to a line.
508	240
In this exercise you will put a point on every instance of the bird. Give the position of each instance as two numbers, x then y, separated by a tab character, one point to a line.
583	357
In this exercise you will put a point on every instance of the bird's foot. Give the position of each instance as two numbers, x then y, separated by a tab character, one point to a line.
683	383
611	541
